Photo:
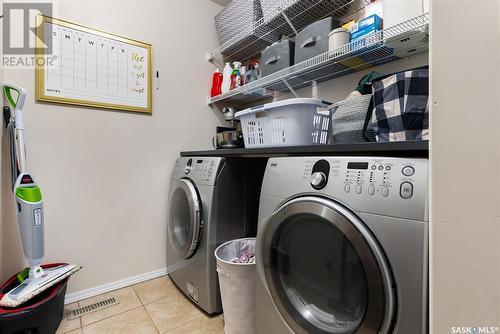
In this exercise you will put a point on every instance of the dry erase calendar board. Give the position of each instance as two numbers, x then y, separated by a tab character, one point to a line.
93	68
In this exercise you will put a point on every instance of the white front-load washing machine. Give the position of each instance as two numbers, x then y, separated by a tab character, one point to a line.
342	246
212	200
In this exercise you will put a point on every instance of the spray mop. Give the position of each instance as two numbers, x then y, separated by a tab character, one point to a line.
29	204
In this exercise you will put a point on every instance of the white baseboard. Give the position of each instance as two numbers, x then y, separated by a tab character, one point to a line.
79	295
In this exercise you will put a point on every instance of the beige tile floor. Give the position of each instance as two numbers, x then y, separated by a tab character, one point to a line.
155	306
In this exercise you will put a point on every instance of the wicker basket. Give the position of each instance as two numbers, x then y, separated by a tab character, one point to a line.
348	117
304	12
237	28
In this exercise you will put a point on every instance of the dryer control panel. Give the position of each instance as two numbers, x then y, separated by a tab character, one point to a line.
386	186
202	170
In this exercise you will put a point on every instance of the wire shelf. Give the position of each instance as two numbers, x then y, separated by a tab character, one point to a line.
401	41
283	18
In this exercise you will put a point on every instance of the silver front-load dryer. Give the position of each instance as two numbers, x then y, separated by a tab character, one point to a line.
212	200
342	246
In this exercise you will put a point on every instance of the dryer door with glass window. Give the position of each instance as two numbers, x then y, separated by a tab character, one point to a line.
185	223
324	269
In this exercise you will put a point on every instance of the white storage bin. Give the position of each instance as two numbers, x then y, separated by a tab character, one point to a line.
292	122
338	38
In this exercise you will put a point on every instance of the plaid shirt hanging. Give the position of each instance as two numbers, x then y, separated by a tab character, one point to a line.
400	106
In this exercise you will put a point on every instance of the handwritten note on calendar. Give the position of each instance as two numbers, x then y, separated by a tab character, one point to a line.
94	68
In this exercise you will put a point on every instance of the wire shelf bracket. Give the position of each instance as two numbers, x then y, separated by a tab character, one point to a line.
290	88
289	23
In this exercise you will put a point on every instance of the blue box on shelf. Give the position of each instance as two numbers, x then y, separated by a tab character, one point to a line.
370	21
367	26
368	51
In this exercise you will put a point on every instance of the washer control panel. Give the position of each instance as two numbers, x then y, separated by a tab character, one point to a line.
199	169
386	186
378	178
372	177
381	177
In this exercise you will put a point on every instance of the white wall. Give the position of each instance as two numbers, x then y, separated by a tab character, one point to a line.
465	165
104	174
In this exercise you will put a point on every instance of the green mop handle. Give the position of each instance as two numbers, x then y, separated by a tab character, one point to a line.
14	101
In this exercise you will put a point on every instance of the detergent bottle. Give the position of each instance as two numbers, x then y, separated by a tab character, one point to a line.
226	78
217	79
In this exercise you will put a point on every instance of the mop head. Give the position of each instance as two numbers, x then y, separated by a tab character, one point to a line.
32	287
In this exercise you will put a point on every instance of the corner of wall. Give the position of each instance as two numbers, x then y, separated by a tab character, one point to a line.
465	167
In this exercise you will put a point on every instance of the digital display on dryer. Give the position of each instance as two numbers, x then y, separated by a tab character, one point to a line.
357	165
199	161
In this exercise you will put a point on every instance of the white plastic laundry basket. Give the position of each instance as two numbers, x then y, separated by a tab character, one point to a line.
292	122
237	286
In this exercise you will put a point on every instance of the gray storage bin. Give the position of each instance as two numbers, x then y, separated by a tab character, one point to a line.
313	40
277	57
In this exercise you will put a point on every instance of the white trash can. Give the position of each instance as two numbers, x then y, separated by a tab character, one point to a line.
237	286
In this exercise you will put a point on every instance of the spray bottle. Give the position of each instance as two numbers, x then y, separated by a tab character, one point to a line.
243	73
236	75
251	74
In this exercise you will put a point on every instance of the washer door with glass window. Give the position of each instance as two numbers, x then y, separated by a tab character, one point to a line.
185	223
324	269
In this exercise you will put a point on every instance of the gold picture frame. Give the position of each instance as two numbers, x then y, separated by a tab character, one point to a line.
40	71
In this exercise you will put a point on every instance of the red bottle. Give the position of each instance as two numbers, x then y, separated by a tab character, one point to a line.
216	83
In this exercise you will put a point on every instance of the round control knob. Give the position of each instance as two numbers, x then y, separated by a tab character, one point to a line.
408	171
318	180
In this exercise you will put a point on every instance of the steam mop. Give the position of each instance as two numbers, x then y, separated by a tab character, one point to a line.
33	280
